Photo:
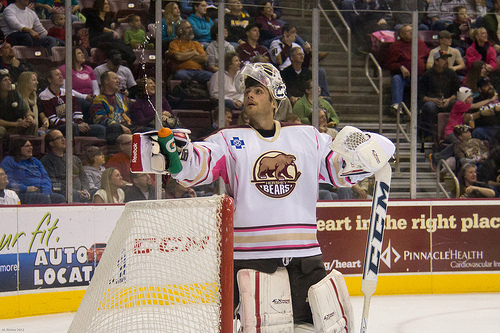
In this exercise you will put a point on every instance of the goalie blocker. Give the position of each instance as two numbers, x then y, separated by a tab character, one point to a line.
154	153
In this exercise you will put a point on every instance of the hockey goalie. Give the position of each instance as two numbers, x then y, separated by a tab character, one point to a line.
272	170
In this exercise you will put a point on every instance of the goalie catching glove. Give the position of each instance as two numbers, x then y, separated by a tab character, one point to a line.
160	151
363	153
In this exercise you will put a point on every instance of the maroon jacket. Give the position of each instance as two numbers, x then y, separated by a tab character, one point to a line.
400	55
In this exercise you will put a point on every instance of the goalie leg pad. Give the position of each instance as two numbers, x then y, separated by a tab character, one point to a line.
330	305
265	301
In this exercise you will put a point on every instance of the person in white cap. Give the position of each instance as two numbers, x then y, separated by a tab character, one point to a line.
462	106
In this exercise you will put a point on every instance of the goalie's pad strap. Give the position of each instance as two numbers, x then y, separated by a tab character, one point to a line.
265	301
330	305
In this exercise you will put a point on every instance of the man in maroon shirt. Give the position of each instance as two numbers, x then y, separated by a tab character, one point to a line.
399	63
248	50
53	105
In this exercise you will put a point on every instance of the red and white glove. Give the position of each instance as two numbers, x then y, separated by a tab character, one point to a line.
147	157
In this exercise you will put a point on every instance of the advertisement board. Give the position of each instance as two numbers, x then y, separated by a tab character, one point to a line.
420	236
48	254
52	247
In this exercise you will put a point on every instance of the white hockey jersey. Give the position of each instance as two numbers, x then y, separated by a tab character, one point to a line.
274	183
9	198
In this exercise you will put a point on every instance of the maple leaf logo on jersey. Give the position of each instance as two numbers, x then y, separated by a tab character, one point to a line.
275	174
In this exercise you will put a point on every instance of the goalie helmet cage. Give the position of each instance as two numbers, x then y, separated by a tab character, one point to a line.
167	267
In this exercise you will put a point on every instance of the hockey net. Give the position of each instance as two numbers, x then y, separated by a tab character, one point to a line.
167	267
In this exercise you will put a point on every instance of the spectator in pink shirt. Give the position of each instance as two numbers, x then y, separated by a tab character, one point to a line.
85	86
481	49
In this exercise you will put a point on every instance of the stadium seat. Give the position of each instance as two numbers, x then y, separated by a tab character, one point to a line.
38	56
124	12
97	57
77	25
144	64
151	31
130	4
204	104
86	3
195	120
33	54
81	34
442	121
47	24
120	28
58	55
172	84
430	38
82	143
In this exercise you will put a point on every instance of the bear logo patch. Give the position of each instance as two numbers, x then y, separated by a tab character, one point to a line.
275	174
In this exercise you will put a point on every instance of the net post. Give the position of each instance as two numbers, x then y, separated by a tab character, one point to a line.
227	265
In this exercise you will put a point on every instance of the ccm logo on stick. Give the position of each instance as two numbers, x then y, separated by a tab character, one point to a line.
377	232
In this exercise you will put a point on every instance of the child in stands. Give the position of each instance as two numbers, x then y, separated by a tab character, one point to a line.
462	106
94	169
58	31
135	36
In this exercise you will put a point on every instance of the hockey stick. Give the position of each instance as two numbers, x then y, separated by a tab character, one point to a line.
375	238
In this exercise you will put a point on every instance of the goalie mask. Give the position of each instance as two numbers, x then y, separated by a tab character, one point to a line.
265	74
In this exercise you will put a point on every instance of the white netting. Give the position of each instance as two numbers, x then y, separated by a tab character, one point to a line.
353	140
160	271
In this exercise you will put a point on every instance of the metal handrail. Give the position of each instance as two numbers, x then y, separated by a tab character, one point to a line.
347	47
439	186
378	89
400	130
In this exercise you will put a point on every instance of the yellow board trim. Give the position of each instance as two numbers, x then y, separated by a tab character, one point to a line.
68	301
429	284
40	303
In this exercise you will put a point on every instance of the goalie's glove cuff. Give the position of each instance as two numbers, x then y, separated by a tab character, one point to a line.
363	152
183	144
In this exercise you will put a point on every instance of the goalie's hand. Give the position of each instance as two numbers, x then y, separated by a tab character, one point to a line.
147	155
363	153
183	143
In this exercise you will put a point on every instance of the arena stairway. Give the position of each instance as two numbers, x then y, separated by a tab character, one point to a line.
360	107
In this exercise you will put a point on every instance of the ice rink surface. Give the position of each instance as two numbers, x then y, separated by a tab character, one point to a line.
453	313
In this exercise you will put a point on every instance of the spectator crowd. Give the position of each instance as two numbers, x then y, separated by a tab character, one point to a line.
113	90
112	98
457	68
